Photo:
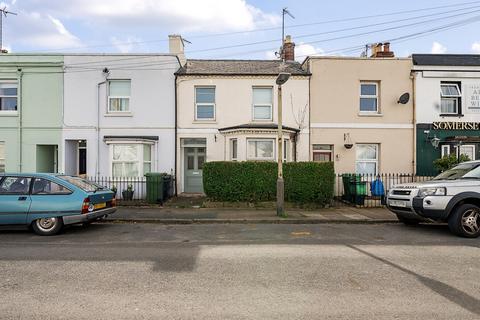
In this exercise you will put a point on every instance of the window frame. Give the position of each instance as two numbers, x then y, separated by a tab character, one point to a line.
262	105
376	97
286	150
469	146
140	161
322	151
445	150
234	155
273	158
110	97
5	96
377	156
32	185
450	97
205	103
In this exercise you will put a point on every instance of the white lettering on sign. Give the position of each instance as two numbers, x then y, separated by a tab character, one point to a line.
473	98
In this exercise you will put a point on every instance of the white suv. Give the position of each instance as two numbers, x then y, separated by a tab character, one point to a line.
453	197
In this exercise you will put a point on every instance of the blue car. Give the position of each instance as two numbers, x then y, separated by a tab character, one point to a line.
47	202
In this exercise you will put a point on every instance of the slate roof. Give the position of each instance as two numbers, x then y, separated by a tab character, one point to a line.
471	60
240	67
258	126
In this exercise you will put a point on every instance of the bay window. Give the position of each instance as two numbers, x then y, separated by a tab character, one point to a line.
119	96
260	149
233	149
367	159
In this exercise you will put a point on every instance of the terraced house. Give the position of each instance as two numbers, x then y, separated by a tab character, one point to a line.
31	90
227	110
361	114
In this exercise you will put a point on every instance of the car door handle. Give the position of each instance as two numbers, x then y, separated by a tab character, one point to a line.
22	198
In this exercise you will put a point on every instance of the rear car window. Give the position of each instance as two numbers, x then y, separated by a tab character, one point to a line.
15	185
83	184
44	186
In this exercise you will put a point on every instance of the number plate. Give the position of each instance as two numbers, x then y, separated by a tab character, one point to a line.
100	205
397	203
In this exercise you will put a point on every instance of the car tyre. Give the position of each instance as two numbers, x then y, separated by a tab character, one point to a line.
407	221
47	226
465	221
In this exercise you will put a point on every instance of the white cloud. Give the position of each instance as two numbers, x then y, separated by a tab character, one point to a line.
182	15
438	48
302	50
476	47
127	45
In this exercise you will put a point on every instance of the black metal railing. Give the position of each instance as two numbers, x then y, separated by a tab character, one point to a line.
128	189
368	190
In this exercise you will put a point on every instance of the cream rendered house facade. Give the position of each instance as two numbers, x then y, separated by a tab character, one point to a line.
227	110
356	119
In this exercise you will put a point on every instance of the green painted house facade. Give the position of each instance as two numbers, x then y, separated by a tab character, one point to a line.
31	109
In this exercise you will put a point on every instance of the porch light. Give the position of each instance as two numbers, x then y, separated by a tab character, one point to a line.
435	142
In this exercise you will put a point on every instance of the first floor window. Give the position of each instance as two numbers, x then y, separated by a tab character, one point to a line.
322	152
445	150
368	97
233	149
8	96
262	104
205	103
131	160
367	158
119	95
2	156
260	149
450	98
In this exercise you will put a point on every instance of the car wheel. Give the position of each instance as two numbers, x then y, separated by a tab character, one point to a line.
465	221
47	226
407	221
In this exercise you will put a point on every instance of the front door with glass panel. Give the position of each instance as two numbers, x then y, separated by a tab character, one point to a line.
194	159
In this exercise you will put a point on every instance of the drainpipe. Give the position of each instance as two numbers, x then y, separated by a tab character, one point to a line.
176	133
414	120
20	120
98	127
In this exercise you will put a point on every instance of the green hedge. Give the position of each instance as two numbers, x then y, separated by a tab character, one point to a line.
305	182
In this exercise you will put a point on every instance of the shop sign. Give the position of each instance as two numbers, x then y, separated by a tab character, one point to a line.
473	98
448	125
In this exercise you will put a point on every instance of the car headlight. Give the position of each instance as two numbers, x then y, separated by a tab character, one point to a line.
424	192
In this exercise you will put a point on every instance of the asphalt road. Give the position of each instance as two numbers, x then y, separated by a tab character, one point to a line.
150	271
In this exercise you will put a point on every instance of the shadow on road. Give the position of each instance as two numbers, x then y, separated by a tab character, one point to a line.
454	295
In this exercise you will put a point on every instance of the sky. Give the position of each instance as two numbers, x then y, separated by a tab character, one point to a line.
241	29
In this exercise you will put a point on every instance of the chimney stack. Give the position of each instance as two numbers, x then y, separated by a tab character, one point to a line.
382	50
288	50
176	47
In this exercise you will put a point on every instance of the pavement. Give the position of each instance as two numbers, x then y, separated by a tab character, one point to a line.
169	215
240	271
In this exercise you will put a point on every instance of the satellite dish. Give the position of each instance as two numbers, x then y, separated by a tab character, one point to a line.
404	98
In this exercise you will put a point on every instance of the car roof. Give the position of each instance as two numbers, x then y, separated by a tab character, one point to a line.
28	174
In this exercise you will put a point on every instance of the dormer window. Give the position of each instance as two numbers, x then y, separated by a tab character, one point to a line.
451	98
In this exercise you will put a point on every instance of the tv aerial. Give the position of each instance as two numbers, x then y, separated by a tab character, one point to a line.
3	13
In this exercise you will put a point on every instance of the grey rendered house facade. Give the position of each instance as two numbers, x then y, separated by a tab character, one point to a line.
31	94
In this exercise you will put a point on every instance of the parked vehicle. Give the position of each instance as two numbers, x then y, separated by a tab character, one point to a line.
47	202
453	196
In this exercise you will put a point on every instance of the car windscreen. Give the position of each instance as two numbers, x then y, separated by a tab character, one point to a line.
81	183
457	172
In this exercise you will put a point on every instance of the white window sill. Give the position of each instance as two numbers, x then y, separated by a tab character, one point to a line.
205	121
368	114
118	114
8	113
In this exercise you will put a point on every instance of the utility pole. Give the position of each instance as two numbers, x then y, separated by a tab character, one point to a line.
284	12
3	12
